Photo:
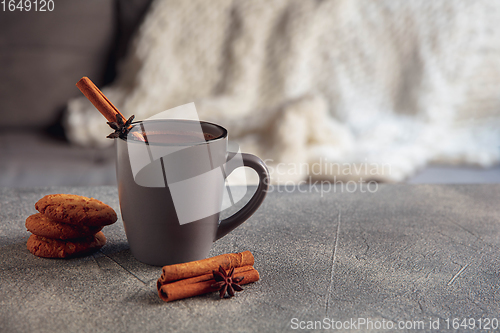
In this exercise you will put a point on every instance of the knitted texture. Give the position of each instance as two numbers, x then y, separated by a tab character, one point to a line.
332	89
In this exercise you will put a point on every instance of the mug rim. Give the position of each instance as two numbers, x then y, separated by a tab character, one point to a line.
222	137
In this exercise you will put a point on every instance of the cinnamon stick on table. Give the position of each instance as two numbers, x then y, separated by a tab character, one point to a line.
202	284
201	267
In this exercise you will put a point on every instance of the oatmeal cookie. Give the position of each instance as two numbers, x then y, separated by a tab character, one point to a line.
56	248
42	225
75	209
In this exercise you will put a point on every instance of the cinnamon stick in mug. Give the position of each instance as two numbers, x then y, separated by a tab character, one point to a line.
202	284
97	98
205	266
102	103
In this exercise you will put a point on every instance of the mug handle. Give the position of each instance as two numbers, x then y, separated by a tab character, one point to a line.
229	224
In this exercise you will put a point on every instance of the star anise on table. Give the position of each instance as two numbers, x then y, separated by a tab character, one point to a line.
226	282
121	128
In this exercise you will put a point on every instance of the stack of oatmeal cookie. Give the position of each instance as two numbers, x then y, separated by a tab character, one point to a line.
68	226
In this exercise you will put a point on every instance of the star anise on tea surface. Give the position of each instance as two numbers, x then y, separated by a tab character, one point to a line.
226	282
121	128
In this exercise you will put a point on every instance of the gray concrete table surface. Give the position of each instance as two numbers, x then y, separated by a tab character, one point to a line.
408	254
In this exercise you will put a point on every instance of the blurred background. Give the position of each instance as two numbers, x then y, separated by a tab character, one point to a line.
390	90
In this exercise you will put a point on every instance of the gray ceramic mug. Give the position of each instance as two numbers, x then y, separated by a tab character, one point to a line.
155	232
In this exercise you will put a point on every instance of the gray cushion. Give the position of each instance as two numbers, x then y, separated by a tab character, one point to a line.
43	55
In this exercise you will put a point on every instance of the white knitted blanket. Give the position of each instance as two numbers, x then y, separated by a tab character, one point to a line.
335	89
